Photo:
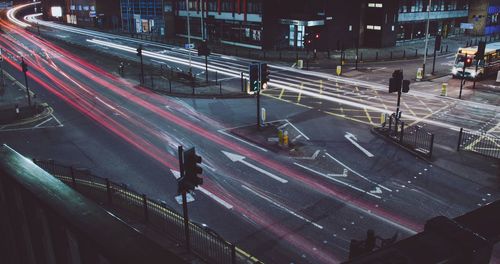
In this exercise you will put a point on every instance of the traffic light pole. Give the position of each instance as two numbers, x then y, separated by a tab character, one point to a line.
142	70
184	200
475	77
462	82
434	61
206	67
26	80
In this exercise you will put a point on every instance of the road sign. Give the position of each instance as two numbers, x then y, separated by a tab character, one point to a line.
466	26
189	46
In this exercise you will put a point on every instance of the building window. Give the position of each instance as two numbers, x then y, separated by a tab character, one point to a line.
377	5
373	27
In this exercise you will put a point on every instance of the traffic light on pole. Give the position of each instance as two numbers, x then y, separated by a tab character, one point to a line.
468	62
254	77
24	66
264	74
481	48
396	81
139	51
192	169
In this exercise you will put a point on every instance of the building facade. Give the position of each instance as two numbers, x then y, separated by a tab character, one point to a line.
445	18
484	17
143	16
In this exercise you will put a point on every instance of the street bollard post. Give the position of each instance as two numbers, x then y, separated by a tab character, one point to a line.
444	91
285	138
280	137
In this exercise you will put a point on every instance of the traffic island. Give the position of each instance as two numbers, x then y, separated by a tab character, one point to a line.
15	114
280	136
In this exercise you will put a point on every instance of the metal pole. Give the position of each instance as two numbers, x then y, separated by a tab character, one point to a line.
426	37
1	70
206	68
462	82
142	70
189	34
258	98
184	199
357	53
399	101
475	77
26	83
202	29
434	62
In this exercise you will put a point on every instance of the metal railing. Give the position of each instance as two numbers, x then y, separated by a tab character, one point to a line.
204	242
479	142
415	137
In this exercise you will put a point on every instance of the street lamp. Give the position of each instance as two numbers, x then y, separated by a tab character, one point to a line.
426	37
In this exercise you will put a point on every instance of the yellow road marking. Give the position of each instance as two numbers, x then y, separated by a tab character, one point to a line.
424	104
282	92
429	115
300	94
409	109
369	117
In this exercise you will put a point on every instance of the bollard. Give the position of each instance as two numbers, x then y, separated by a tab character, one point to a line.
404	54
17	110
339	70
446	48
285	138
498	77
444	91
416	53
391	55
376	56
263	115
280	137
361	57
382	118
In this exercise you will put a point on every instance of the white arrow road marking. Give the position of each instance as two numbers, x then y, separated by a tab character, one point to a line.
377	190
352	138
189	198
281	206
337	180
355	172
237	158
241	140
344	174
177	175
313	157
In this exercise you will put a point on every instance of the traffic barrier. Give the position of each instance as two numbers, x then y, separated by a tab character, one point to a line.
419	74
285	138
444	88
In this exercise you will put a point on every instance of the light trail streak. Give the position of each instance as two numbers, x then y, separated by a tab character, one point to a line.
146	147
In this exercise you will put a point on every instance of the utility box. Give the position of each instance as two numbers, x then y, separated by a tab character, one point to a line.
300	64
498	77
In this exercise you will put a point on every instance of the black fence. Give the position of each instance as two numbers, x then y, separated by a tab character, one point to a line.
482	143
204	242
415	138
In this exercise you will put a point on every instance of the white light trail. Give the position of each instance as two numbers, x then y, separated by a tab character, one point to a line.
11	14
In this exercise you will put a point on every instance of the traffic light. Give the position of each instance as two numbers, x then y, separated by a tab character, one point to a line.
396	81
481	47
139	51
437	44
24	66
254	77
264	73
203	49
192	169
406	86
468	62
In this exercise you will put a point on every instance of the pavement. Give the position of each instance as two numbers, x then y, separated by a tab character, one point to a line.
14	110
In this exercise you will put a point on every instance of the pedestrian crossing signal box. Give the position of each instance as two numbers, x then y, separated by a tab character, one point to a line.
254	77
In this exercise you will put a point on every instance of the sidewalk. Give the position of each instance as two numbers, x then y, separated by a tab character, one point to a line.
14	105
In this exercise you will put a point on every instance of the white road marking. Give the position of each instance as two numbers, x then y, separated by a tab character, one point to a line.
352	138
337	180
376	190
300	132
177	175
353	171
241	140
313	157
238	158
43	122
281	207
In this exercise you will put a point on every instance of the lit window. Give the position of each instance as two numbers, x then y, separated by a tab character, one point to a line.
377	5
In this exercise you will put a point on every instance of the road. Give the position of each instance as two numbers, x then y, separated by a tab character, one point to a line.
280	208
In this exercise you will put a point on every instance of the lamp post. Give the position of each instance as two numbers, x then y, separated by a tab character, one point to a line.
426	37
189	35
